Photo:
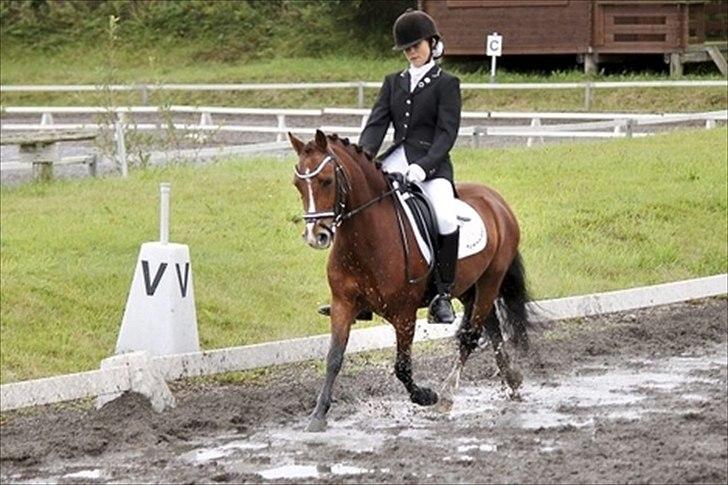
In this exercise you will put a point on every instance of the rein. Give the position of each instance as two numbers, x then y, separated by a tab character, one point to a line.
339	214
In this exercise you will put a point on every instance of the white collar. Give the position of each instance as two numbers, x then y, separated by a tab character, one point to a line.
420	71
417	73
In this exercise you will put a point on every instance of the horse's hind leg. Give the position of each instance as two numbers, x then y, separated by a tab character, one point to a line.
468	338
403	365
510	376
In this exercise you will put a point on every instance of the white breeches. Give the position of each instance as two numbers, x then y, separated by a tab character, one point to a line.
439	191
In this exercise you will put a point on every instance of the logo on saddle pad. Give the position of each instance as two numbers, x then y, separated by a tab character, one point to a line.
473	237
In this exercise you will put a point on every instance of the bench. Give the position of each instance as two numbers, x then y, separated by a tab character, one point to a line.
41	150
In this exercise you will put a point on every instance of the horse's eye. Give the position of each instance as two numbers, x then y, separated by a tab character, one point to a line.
325	182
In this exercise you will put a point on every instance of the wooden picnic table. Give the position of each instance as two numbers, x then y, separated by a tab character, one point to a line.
40	148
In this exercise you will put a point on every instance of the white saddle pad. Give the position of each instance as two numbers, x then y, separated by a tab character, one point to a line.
473	237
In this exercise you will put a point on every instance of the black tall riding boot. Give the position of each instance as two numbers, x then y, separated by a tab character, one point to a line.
440	310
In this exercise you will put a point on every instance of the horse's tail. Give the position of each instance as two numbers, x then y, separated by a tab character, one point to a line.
514	296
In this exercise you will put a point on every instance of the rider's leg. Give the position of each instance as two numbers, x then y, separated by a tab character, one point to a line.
441	195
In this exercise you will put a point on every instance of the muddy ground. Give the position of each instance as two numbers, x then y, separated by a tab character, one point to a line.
631	397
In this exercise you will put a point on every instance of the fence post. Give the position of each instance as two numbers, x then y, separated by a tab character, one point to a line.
46	119
709	123
281	127
587	96
534	122
145	95
628	128
205	119
360	95
120	145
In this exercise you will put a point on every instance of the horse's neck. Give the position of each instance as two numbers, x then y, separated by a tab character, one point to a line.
371	230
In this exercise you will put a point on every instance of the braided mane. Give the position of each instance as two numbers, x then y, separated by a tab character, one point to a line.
356	151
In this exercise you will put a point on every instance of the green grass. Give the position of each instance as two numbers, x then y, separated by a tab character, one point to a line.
594	216
180	65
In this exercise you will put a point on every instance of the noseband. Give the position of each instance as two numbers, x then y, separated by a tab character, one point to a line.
342	189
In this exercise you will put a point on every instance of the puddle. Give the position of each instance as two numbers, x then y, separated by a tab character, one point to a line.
95	474
310	471
344	435
579	399
203	455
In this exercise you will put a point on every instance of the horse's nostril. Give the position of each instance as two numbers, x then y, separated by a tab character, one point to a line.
323	239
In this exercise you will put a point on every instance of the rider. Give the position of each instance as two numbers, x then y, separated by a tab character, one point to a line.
423	103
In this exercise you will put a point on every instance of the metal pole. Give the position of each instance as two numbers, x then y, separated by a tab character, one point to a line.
164	189
492	69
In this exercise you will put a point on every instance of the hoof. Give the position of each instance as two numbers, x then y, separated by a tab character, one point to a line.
515	396
444	405
424	396
316	425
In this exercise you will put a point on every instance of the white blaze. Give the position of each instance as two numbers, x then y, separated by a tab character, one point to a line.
311	209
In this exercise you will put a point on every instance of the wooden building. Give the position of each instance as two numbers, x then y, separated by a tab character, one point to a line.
594	30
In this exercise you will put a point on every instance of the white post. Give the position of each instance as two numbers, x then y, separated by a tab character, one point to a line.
205	119
709	124
281	127
534	122
164	188
360	95
120	145
492	69
46	119
587	96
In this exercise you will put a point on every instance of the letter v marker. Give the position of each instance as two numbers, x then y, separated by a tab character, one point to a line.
151	288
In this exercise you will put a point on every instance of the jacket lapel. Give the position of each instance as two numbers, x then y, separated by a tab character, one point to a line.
404	80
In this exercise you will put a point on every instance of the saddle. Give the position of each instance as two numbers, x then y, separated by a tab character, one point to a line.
422	220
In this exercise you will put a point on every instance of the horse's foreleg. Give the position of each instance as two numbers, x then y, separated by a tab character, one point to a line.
342	316
403	366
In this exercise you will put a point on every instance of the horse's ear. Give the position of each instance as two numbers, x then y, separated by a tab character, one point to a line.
321	141
295	142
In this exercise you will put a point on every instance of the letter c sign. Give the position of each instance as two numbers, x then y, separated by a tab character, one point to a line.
494	44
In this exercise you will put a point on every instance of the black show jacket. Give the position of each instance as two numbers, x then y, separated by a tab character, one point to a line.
426	120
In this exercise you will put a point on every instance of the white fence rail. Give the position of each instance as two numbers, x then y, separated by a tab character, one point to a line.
109	381
587	86
621	124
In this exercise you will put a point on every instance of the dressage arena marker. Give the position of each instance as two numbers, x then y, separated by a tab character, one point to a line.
124	373
160	316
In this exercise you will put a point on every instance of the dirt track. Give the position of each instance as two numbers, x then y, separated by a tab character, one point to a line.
636	397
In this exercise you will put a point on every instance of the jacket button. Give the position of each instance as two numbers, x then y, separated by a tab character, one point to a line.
405	125
409	101
407	113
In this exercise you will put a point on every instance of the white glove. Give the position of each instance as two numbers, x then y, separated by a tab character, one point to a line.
415	173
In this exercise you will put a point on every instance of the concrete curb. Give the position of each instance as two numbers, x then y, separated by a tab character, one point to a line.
113	380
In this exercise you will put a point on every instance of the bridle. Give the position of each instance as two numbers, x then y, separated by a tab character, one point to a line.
338	212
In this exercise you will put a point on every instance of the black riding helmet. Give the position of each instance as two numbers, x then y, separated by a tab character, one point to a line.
412	27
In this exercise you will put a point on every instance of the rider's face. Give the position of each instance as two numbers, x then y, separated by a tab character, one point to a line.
418	54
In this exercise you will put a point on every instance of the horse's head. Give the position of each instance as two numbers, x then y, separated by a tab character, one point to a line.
323	186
